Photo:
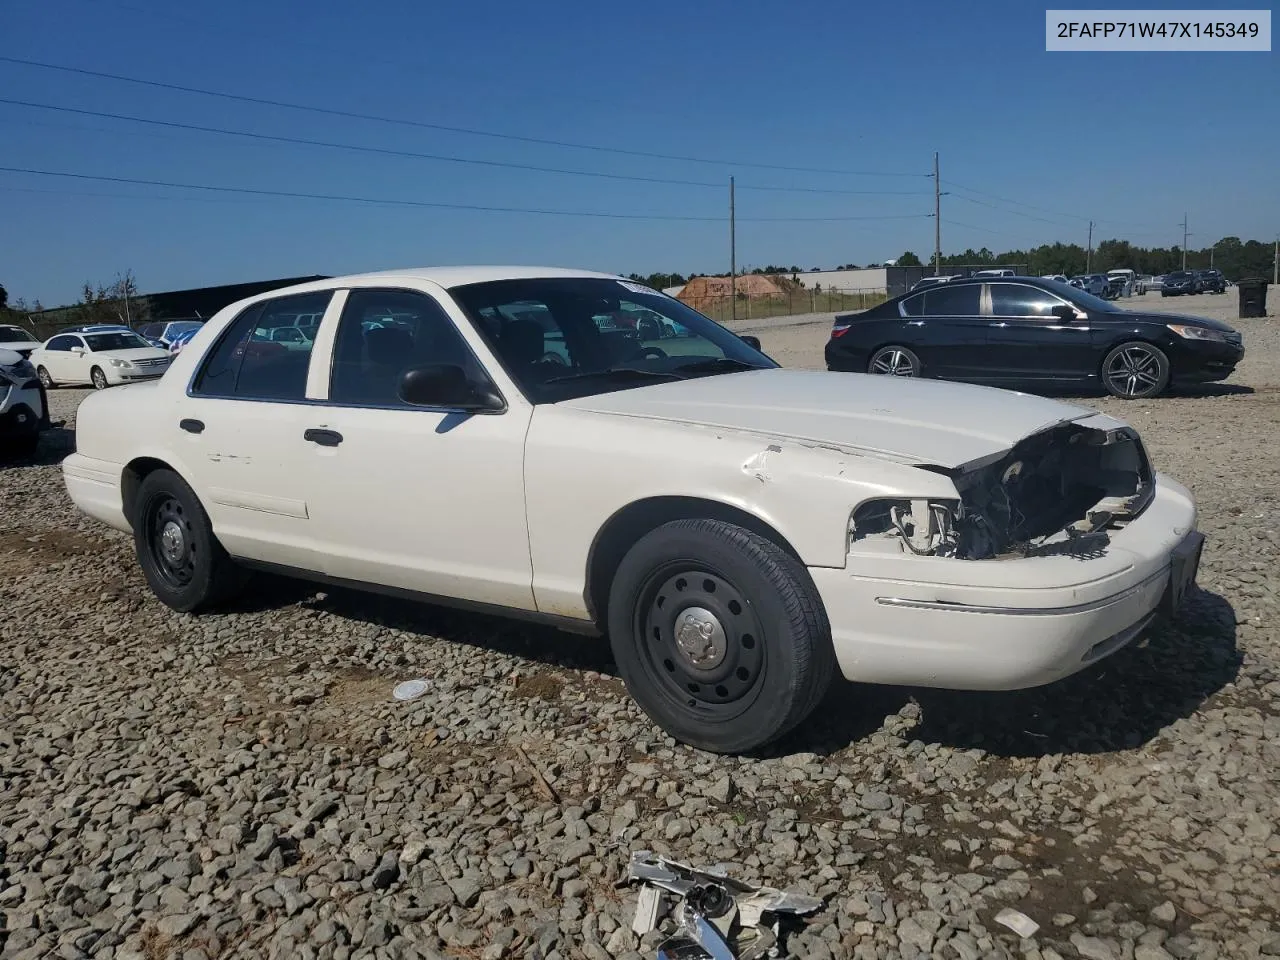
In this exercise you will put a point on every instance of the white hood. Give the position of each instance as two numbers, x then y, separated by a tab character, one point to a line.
918	421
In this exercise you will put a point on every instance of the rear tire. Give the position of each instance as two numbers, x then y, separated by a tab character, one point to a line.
185	565
719	635
895	361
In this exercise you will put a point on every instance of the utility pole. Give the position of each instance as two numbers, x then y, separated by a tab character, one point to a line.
1275	264
733	258
937	218
1088	255
1184	241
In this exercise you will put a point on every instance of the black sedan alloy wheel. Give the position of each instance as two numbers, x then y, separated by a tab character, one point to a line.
894	362
1135	370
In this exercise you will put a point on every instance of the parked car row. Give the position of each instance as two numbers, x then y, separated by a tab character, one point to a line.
1182	282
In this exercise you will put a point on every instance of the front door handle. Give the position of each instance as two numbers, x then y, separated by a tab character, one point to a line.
192	426
326	438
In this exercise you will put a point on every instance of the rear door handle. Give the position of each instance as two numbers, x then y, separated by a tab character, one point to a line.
192	426
326	438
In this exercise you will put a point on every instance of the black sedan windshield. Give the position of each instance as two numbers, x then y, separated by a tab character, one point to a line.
567	337
15	335
1082	298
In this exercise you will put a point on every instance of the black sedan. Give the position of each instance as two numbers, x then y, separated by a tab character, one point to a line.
1211	281
1178	283
1024	332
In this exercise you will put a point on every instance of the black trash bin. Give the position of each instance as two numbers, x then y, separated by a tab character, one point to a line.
1253	297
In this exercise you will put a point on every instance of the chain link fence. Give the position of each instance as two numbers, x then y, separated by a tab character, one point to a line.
722	310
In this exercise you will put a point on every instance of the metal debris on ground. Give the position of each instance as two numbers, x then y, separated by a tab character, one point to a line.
716	917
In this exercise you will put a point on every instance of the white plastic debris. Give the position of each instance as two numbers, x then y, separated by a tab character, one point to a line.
410	689
1018	922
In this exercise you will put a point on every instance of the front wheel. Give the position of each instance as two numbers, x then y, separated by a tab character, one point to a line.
895	361
185	565
46	381
719	635
1134	371
99	378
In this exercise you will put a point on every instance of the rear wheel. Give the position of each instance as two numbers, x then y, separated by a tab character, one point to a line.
895	361
186	567
1135	370
719	635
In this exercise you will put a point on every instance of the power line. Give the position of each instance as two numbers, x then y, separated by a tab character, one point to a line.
1029	206
290	194
353	115
1016	213
415	155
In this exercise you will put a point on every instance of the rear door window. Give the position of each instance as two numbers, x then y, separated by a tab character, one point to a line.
946	300
247	365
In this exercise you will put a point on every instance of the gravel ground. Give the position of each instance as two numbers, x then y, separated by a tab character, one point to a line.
244	785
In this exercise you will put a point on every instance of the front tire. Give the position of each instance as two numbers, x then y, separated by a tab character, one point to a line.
185	566
45	380
1135	371
895	361
98	378
719	635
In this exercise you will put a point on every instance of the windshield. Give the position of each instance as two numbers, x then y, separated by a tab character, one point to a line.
184	326
14	335
561	338
99	342
1082	298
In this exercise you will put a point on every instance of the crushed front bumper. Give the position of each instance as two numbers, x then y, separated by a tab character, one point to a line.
1010	624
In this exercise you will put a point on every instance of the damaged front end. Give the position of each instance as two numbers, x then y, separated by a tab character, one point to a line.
1056	492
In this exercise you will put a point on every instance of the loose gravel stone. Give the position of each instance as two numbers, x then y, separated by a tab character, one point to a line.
243	784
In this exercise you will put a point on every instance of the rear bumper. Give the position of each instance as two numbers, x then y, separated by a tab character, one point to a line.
94	487
1006	624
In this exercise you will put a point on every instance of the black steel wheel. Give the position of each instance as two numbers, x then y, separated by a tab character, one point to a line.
185	566
99	378
1133	371
894	361
719	635
704	634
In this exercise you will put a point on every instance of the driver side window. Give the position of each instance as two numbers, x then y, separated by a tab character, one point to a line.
383	333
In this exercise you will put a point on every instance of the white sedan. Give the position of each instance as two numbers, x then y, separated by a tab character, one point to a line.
739	531
103	359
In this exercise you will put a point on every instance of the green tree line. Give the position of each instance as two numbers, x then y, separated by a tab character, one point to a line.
1234	257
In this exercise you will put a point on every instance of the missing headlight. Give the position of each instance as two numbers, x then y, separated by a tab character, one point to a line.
922	527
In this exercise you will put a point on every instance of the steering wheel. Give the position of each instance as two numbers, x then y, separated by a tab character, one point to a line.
653	353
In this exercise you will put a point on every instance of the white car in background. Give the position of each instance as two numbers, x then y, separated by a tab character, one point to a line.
23	410
742	533
102	359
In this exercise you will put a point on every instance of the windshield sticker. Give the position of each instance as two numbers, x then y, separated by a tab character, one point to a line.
638	288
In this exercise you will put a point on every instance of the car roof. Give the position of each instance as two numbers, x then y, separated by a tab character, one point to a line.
449	277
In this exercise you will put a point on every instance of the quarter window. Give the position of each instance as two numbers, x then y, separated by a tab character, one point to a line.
912	306
1018	300
383	333
248	365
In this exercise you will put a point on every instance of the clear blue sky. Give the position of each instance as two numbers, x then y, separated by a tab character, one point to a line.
1132	140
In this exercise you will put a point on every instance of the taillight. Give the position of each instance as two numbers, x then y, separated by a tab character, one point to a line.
840	329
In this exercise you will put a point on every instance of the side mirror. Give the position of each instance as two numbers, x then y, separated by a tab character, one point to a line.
750	341
78	351
446	385
1064	313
